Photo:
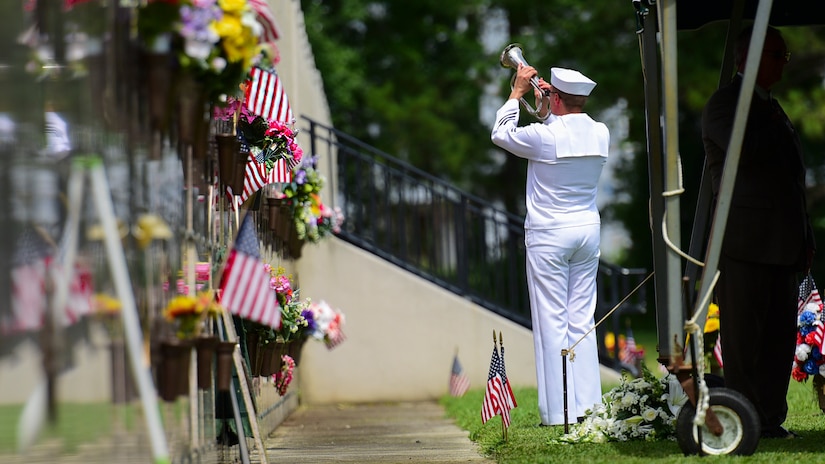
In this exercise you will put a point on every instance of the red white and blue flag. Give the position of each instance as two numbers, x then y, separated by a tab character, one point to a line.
717	350
34	270
510	397
265	96
266	19
459	383
245	289
256	176
495	401
809	294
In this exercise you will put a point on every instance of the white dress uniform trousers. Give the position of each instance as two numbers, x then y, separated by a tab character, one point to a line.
565	156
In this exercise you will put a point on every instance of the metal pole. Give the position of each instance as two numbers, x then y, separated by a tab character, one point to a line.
672	174
564	387
131	323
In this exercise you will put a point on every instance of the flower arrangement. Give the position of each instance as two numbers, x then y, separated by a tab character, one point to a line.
297	321
283	378
329	324
313	220
808	358
267	141
187	312
215	41
643	408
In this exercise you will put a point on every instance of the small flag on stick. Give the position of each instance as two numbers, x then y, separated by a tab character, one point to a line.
459	383
628	353
245	289
510	397
494	395
717	350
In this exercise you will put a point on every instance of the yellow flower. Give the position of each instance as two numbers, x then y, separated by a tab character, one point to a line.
229	27
713	310
609	341
181	306
106	304
712	321
240	47
316	204
233	6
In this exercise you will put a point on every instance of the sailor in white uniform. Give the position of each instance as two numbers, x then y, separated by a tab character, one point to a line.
565	156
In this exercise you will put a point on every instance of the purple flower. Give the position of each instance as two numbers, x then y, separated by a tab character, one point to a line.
300	177
310	318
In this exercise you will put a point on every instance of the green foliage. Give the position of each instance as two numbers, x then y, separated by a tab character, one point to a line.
407	77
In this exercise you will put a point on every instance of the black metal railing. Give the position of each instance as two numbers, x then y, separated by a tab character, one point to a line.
438	232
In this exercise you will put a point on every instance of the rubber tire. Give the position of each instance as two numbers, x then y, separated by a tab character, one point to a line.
738	416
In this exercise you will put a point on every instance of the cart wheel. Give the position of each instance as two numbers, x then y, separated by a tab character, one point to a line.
739	421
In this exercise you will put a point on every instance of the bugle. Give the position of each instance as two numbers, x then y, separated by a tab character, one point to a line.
511	57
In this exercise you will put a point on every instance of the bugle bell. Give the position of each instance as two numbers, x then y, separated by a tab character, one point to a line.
511	57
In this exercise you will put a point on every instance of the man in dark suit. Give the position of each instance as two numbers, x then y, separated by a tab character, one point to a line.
768	237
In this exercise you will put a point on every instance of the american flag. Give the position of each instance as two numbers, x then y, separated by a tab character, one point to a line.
628	353
245	289
265	96
717	350
494	395
256	177
808	293
510	397
335	333
459	383
33	265
266	19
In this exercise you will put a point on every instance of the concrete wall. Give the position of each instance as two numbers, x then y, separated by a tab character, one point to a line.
402	332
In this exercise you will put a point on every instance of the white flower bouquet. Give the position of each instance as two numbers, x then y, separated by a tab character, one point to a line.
644	408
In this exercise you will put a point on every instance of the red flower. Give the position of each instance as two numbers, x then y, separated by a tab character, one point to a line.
798	374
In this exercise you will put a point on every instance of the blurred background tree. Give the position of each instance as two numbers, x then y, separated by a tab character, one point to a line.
421	81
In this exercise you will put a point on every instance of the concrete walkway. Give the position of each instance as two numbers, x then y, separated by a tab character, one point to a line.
387	433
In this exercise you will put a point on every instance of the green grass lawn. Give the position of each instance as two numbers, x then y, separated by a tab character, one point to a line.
75	424
528	443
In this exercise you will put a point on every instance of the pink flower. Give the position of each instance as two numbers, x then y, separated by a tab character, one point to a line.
283	377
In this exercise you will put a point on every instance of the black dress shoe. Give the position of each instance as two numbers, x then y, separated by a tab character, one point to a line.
780	432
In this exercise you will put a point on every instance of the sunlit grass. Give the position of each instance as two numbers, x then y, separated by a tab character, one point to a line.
528	443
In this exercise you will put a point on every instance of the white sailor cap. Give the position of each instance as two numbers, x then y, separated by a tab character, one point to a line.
571	81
